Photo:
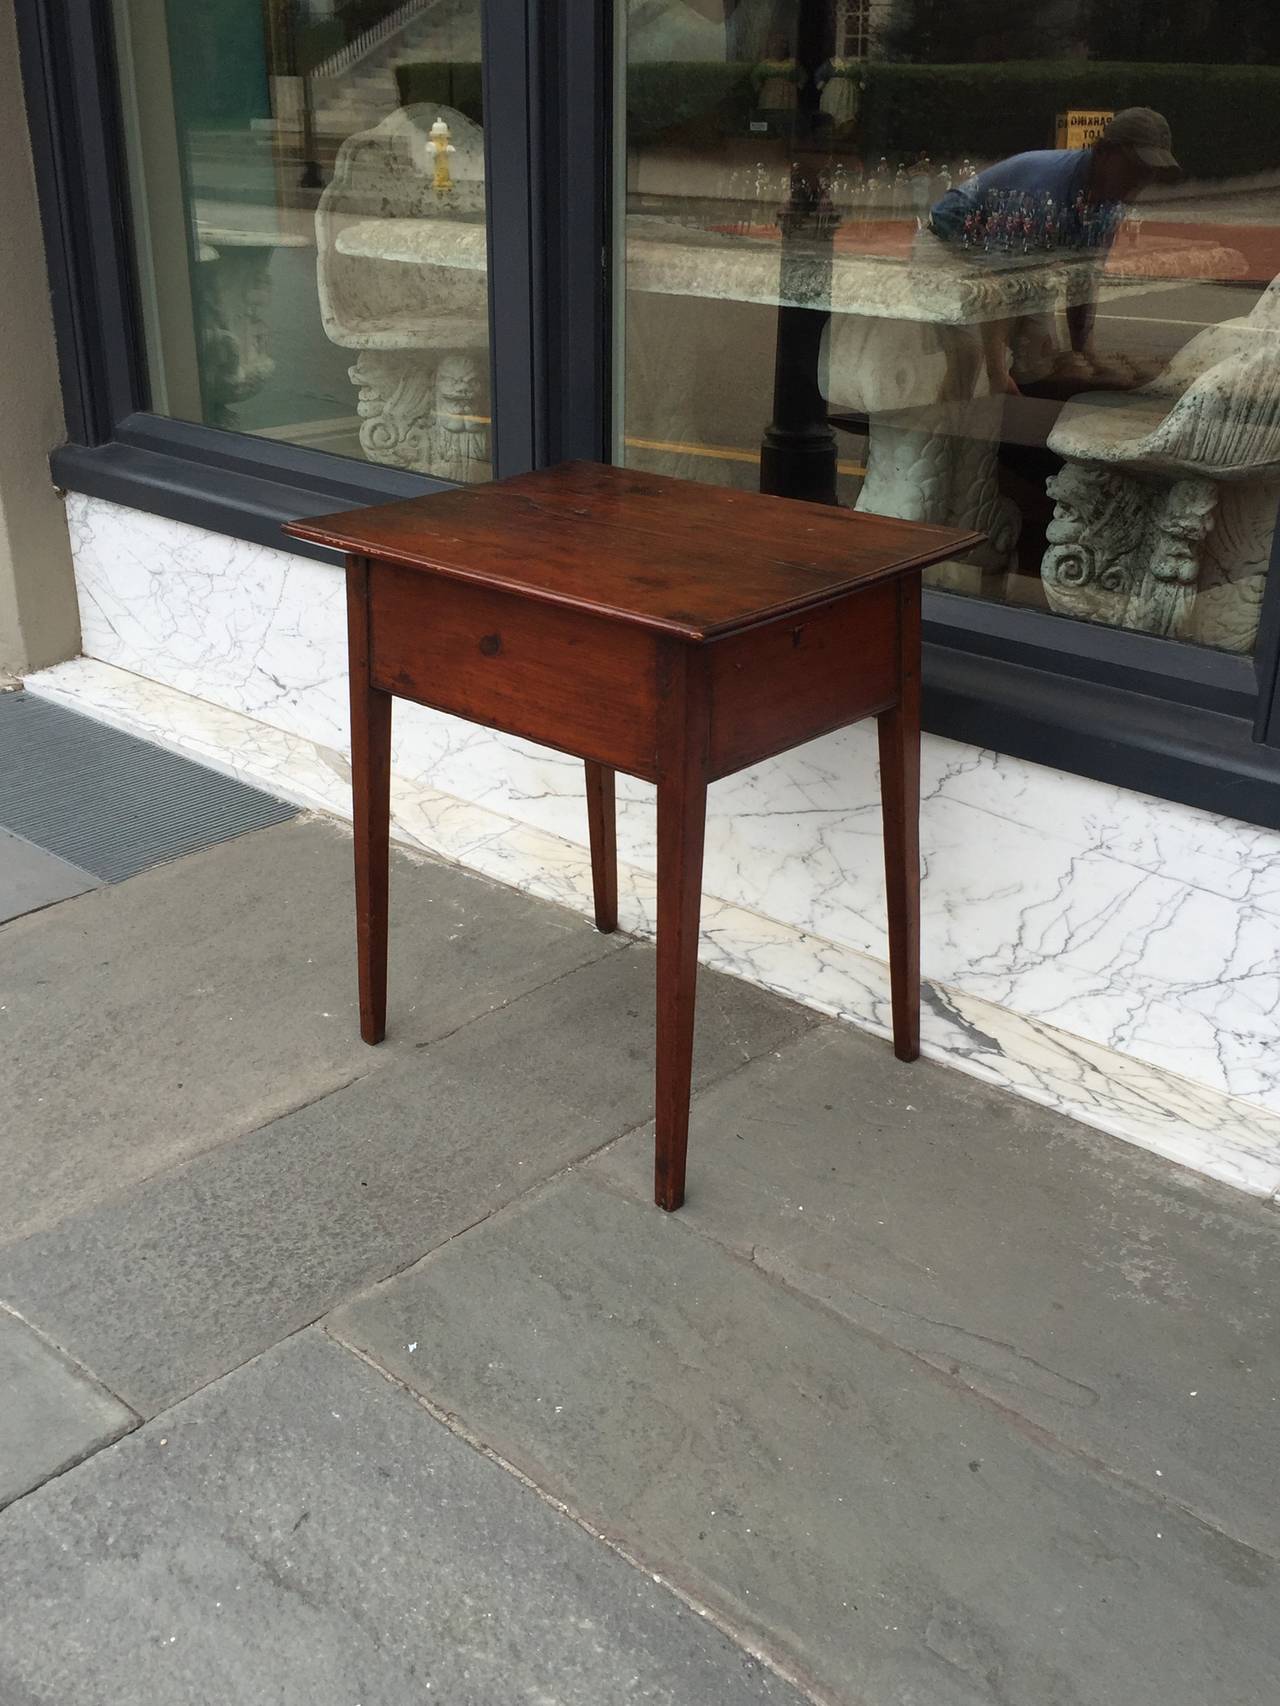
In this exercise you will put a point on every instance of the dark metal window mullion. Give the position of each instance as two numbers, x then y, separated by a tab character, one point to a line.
576	153
68	63
547	141
515	298
1266	656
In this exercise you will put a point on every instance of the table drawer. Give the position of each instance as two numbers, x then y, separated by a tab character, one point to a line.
563	678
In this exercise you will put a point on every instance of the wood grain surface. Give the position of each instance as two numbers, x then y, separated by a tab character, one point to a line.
667	555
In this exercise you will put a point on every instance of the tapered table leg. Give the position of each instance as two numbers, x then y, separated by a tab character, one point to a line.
602	822
371	808
899	731
682	810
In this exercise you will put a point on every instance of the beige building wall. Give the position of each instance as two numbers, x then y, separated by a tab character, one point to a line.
39	622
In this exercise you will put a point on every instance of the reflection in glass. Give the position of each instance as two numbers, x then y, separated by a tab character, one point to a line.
992	266
308	197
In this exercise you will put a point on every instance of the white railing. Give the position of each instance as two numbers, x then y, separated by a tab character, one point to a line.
372	38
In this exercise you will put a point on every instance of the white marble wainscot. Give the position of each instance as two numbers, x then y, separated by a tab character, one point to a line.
1224	1137
1126	923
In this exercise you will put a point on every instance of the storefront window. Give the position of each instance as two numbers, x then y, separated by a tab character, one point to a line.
988	265
307	189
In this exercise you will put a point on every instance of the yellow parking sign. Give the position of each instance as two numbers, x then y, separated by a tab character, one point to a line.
1080	129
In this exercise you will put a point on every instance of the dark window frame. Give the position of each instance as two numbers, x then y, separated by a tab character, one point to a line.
1178	722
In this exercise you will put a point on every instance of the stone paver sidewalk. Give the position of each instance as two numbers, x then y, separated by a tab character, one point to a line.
372	1377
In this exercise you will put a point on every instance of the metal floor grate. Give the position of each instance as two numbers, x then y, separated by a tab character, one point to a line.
109	802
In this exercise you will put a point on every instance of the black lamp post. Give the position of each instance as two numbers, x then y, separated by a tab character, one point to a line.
798	452
285	27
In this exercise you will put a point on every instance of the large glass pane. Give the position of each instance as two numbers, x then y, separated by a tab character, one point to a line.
1001	265
308	197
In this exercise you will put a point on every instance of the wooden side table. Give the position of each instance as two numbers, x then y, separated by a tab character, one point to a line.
674	631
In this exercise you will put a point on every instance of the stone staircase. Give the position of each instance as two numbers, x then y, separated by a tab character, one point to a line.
359	93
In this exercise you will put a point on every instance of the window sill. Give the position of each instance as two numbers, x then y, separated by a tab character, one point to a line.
225	482
1180	752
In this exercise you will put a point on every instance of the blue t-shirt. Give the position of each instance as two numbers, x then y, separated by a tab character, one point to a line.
1030	201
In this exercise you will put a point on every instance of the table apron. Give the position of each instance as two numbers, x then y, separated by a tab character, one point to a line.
563	678
777	686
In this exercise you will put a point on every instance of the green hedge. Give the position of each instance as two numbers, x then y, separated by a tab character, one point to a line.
677	100
687	101
444	84
317	41
1225	118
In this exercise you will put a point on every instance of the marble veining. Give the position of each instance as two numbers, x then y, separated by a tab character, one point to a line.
1143	929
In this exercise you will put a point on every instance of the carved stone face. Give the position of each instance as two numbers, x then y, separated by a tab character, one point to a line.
457	393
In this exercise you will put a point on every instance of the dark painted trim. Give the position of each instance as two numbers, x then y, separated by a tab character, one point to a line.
350	481
511	198
1090	652
204	477
68	68
1185	753
1266	655
576	111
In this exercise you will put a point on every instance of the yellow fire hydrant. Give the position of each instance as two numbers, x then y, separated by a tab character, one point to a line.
439	141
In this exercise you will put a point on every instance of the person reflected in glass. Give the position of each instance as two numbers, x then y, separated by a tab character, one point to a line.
1051	201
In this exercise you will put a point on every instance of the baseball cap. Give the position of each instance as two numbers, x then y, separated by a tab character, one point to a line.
1145	133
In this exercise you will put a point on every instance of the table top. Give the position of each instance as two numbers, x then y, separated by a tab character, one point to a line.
668	555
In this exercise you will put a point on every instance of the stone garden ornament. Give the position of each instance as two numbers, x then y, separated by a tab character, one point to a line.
1167	504
422	331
